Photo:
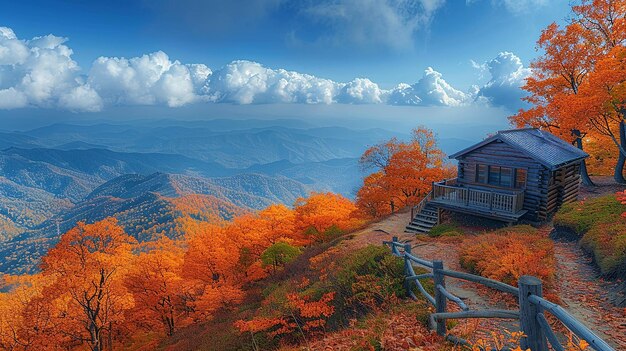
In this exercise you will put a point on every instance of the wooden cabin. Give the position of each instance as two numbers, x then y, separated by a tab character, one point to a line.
515	174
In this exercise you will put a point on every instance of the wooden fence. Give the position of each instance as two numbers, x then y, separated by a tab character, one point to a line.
532	305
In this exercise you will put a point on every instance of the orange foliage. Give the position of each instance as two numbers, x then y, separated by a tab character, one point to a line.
98	285
321	211
162	298
576	88
299	314
86	299
506	255
403	173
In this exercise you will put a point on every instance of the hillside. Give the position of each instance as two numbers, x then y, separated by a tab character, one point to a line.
146	206
38	183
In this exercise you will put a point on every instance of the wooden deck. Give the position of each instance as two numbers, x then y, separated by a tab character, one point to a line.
499	205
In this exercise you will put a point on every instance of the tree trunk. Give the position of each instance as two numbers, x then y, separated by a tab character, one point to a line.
618	175
584	175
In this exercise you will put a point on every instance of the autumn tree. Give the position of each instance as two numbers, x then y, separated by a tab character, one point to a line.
210	266
403	173
162	297
26	319
566	97
276	223
88	295
319	212
557	77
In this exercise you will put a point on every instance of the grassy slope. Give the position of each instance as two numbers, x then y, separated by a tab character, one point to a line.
601	229
328	267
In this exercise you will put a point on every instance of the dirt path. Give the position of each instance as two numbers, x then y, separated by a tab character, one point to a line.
583	292
477	297
585	295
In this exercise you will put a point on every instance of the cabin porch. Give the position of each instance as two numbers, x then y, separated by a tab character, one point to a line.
499	204
504	205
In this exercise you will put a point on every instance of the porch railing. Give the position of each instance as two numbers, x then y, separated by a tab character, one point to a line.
493	201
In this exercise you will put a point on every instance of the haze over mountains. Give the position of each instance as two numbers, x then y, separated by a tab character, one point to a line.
143	171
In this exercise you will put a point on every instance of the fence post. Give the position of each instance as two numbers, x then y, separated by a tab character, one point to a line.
394	249
407	262
440	299
535	339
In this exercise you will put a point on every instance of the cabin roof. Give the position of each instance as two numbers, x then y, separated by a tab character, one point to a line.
540	145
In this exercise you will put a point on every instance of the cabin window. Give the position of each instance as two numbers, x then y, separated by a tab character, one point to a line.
481	174
506	177
495	175
501	176
520	178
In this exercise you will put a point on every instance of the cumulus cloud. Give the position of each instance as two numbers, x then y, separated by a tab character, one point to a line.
508	75
247	82
148	80
40	73
430	90
379	22
362	91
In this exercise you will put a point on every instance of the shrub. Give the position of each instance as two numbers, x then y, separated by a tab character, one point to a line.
509	253
364	280
333	232
444	229
369	275
279	254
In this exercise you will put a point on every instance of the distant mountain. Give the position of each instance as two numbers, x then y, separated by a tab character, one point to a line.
38	183
23	208
233	144
338	175
11	139
106	164
250	191
150	206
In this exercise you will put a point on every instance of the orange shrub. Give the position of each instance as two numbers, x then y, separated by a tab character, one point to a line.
509	253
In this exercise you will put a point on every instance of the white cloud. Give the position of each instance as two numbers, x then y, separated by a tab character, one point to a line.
430	90
404	94
147	80
380	22
508	75
11	98
81	98
40	73
362	91
247	82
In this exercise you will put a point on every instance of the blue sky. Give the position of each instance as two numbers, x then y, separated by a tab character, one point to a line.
327	43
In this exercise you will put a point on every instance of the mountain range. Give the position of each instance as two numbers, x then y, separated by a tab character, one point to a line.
144	172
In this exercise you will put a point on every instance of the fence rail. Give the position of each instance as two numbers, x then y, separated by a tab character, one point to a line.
420	206
532	305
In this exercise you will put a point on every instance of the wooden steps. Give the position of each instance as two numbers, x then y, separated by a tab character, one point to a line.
424	220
